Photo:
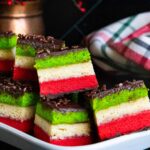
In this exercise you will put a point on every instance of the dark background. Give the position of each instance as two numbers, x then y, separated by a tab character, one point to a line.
62	15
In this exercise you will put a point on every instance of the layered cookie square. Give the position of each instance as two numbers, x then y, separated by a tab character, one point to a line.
121	110
62	122
25	55
17	104
8	42
65	70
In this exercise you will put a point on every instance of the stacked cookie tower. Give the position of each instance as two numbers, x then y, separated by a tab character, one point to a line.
17	98
46	75
62	71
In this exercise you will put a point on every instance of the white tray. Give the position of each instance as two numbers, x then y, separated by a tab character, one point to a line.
136	141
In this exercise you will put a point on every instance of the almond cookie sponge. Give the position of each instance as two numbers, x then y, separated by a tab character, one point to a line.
121	110
62	122
17	104
65	70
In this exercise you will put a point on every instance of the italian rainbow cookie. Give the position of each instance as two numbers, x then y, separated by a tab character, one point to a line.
62	122
8	42
65	70
25	55
17	104
121	110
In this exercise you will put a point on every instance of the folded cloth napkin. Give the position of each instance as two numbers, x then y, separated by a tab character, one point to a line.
123	48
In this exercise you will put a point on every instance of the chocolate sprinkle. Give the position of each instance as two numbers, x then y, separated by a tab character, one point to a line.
40	42
32	40
102	92
7	34
62	104
51	52
16	88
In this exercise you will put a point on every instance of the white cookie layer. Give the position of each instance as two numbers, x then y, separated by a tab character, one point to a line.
62	131
129	108
16	112
24	62
64	72
6	54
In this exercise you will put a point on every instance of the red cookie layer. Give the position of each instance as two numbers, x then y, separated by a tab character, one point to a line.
68	85
25	74
71	141
124	125
6	65
25	126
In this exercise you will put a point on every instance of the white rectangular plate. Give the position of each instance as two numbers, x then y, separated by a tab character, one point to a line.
135	141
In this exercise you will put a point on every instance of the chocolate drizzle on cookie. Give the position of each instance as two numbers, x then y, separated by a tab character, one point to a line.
102	92
16	88
62	104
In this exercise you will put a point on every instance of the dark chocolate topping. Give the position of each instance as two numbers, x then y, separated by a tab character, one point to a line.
7	34
102	92
62	104
54	41
40	42
15	88
54	52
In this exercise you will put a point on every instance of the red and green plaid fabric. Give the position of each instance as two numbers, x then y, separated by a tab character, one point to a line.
123	47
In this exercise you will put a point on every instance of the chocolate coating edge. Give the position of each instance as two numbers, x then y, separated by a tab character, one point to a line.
15	88
127	85
7	34
62	104
57	52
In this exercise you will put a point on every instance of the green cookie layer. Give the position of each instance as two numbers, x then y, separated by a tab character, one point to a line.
57	117
27	99
118	98
8	42
62	60
25	50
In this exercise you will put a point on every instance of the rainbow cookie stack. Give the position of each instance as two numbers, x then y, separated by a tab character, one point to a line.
121	110
25	55
17	104
65	70
62	122
62	73
8	42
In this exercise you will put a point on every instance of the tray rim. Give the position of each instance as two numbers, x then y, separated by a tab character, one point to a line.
109	144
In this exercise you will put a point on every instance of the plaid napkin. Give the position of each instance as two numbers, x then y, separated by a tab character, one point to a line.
123	47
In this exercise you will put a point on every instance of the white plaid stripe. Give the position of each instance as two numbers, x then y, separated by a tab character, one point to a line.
139	48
